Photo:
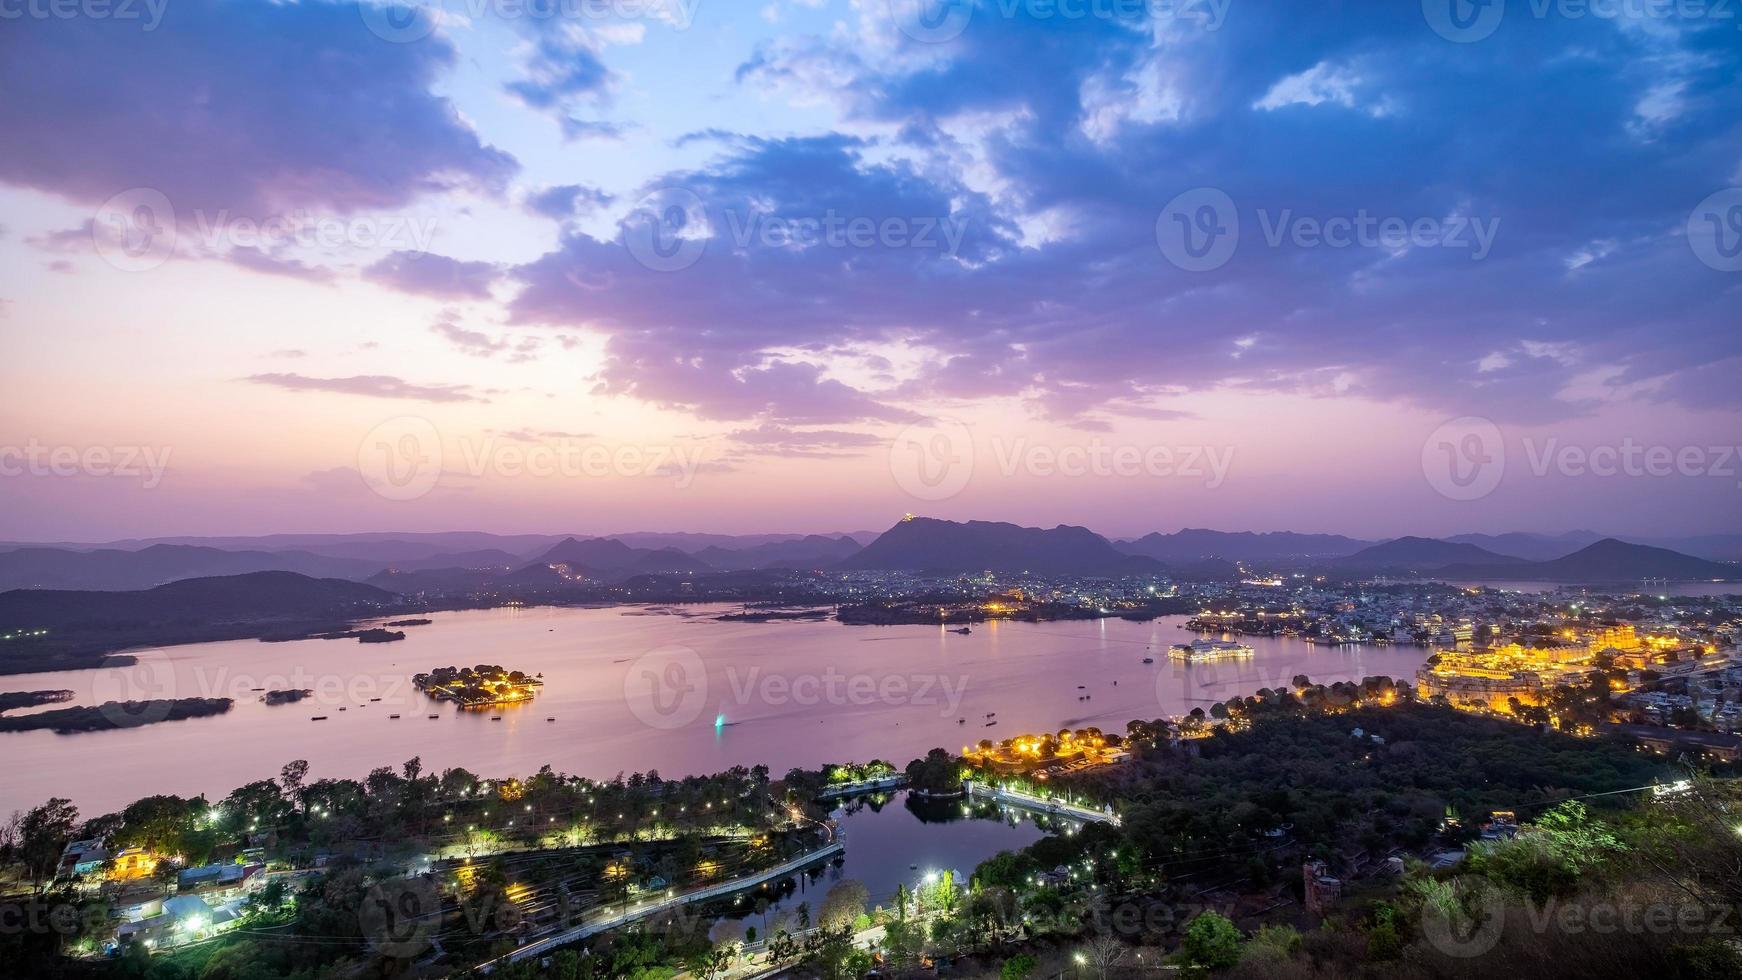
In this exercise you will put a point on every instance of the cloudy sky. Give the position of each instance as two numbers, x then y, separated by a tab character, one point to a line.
805	265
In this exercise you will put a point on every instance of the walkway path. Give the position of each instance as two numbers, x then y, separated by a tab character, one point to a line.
1040	804
643	910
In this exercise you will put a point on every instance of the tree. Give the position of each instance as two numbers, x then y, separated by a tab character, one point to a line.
292	775
712	961
1017	967
1103	953
42	833
844	903
782	947
1211	942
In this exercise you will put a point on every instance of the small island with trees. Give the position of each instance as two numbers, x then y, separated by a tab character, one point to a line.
482	686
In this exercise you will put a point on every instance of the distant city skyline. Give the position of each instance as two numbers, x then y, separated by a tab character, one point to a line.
806	265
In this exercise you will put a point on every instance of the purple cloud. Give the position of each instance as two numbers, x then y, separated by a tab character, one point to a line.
429	274
369	386
236	109
564	201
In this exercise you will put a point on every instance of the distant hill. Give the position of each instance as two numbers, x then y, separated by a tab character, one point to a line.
811	551
921	543
118	570
488	558
1608	560
1192	544
231	598
381	548
1531	547
601	558
1418	554
436	581
696	543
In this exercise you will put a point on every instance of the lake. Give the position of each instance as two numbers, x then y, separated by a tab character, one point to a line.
634	688
898	839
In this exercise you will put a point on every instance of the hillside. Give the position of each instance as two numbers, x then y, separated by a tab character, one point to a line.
113	569
1608	560
250	597
1191	544
1416	554
1530	547
921	543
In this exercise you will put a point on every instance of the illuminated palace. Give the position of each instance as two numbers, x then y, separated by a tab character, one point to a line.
1491	678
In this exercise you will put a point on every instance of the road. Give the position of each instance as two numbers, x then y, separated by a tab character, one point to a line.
643	910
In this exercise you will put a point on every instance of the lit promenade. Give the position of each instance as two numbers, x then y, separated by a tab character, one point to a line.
1040	804
645	909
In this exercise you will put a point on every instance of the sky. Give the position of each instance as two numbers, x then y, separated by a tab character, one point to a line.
808	265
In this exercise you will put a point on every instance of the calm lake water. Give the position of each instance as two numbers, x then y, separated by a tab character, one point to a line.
895	839
634	689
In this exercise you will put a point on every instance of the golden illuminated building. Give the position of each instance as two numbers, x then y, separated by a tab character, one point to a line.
131	863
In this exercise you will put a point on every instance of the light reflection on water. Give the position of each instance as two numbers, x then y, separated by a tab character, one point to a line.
897	692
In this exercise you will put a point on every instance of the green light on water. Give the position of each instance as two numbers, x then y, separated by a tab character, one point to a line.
719	722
